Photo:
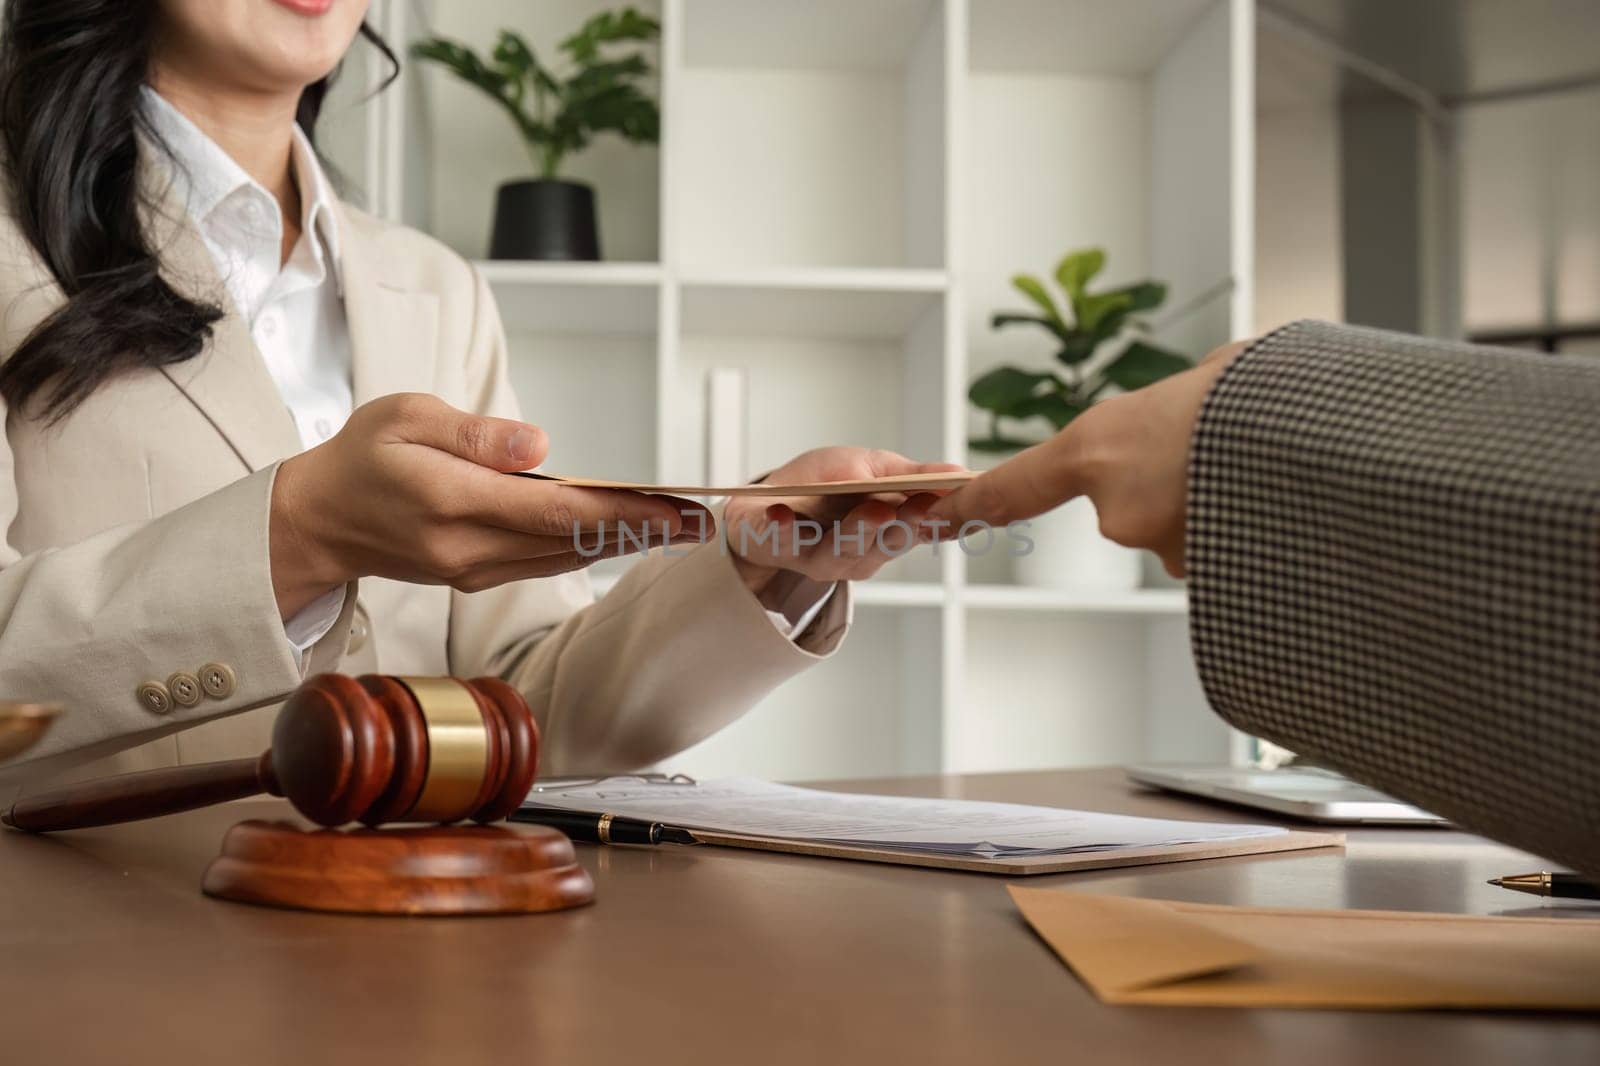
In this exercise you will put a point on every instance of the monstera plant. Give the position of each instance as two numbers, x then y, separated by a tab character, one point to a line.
599	85
1076	328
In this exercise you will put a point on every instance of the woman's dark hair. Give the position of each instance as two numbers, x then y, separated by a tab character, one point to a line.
70	119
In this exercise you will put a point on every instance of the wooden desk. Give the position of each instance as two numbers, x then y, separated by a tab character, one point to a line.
108	953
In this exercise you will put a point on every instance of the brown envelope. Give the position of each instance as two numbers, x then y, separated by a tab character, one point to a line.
1191	954
937	482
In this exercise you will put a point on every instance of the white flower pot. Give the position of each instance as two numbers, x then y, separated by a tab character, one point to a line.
1069	552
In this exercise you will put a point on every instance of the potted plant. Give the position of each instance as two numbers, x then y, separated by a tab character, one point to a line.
558	112
1068	549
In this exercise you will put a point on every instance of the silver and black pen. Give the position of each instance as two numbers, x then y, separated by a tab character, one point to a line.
605	828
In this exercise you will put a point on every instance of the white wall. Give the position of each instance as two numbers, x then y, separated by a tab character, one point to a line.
751	197
864	714
1299	252
1299	265
1530	179
342	127
1529	174
594	394
1191	181
1036	693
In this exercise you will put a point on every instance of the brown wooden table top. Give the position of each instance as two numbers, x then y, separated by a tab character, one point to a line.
699	955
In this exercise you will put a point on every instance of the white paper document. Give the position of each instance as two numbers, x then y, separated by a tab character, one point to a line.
956	827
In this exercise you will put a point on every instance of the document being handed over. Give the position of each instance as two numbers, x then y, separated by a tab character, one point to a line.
895	823
899	483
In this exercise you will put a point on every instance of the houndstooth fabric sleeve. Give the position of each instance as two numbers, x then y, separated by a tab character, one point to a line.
1394	566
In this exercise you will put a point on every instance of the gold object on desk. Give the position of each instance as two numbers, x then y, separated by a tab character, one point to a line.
22	724
1163	953
458	751
1544	883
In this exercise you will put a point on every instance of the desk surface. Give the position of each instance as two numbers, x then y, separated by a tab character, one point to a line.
109	953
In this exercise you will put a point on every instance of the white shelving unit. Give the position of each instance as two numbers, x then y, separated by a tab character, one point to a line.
1154	602
842	189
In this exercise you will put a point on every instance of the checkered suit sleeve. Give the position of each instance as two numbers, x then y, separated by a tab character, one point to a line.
1394	565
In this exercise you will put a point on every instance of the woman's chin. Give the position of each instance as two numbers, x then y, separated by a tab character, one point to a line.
259	45
292	60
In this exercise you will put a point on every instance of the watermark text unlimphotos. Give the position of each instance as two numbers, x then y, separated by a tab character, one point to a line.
804	535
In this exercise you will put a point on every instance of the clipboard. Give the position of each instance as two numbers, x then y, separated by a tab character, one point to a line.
1008	865
1025	865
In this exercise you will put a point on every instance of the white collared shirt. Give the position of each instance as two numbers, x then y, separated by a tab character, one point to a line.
295	308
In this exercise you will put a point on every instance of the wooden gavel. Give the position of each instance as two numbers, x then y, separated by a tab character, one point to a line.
375	750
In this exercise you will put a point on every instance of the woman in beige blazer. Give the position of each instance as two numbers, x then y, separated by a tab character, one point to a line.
253	434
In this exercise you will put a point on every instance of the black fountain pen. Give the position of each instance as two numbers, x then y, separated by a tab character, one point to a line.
1560	886
605	828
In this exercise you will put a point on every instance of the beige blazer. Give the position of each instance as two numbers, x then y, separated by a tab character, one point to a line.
135	547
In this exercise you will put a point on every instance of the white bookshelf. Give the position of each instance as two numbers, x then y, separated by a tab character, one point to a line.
1147	601
842	189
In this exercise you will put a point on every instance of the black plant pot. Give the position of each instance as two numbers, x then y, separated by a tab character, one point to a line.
544	219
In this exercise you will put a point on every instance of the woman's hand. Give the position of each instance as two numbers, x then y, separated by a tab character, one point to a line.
413	489
1129	454
827	538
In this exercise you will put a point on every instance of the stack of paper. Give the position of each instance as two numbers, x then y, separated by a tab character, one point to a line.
937	826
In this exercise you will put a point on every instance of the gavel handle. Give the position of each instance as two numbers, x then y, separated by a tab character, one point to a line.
148	794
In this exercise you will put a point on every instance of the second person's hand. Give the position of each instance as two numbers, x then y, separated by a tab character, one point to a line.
414	489
1129	454
827	538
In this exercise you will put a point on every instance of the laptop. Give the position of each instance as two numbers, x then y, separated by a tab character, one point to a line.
1311	793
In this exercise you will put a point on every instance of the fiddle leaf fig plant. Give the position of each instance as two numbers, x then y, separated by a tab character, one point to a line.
1077	328
559	110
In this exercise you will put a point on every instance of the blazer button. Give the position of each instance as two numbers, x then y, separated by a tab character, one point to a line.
154	697
185	689
218	680
359	632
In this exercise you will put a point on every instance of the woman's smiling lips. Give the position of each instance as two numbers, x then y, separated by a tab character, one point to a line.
306	7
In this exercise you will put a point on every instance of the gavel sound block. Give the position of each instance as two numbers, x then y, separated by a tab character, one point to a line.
375	750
